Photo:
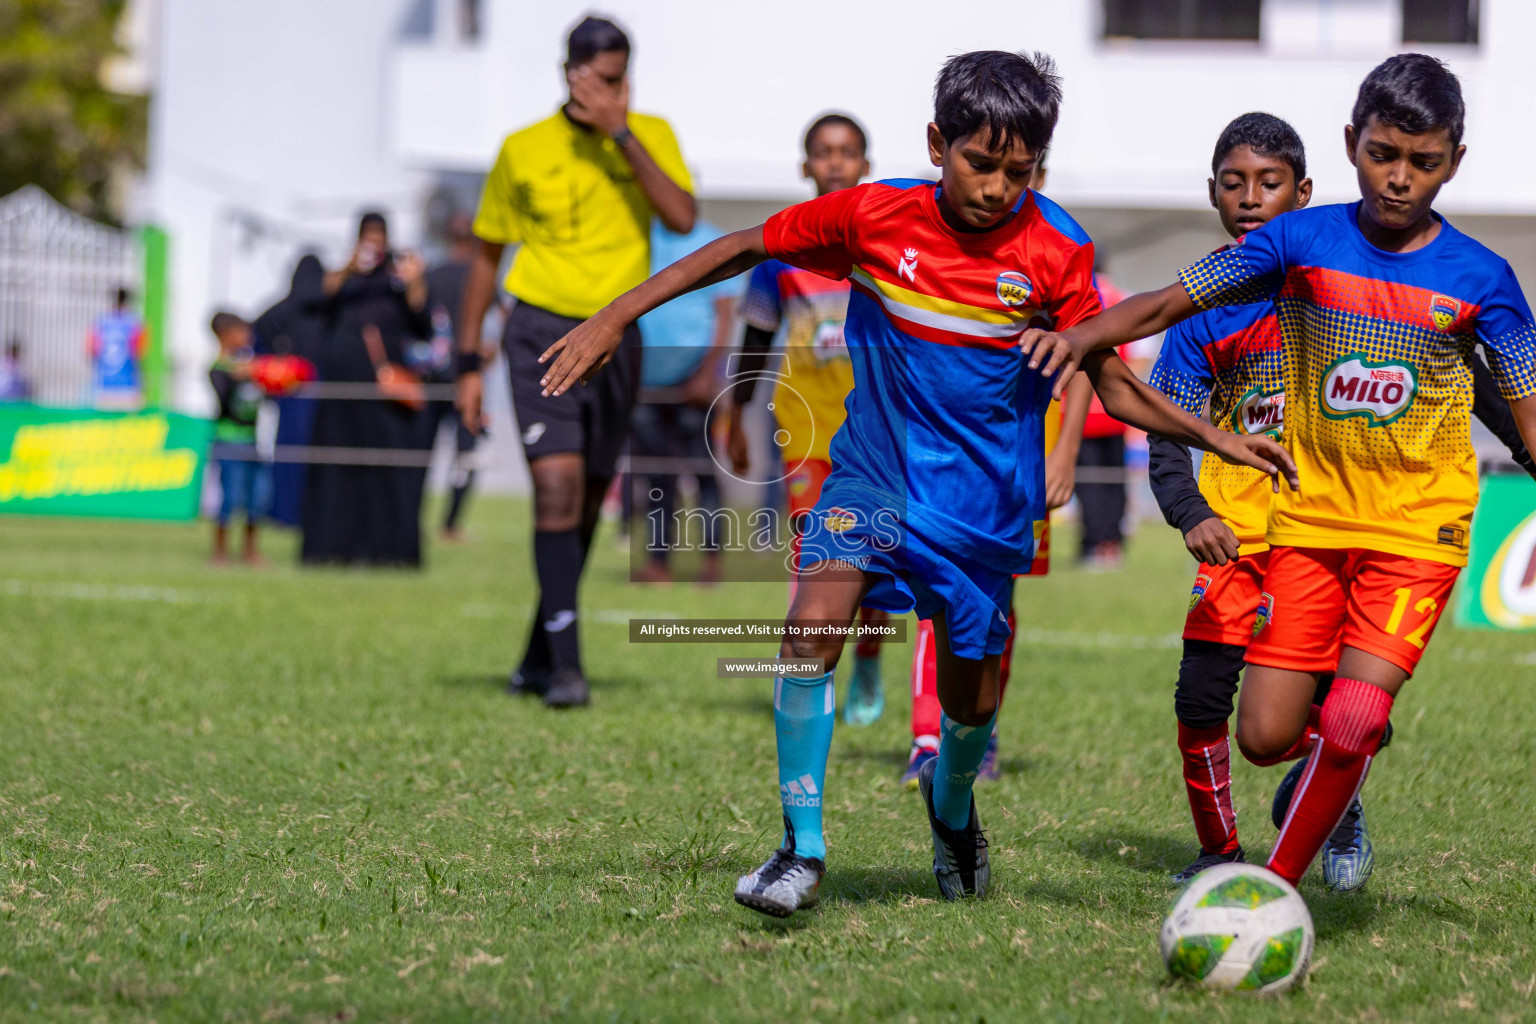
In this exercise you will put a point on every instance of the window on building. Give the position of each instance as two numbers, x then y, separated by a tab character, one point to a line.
1182	19
1440	21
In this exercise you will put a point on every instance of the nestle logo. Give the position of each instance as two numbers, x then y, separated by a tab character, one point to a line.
1396	376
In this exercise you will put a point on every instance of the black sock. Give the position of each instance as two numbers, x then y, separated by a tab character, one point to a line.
557	555
537	656
456	503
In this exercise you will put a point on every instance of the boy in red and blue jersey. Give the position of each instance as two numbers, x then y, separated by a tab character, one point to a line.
938	470
1380	303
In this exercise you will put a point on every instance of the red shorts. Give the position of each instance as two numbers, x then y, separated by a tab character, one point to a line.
1224	599
1317	601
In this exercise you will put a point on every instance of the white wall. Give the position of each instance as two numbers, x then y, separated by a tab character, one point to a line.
739	81
272	113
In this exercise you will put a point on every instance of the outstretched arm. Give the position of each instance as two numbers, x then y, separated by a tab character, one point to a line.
1131	401
1489	407
588	347
1139	316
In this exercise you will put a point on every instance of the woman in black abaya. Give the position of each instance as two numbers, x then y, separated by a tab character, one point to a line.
361	514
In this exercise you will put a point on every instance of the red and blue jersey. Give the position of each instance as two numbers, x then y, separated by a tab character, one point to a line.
1232	359
945	424
1377	379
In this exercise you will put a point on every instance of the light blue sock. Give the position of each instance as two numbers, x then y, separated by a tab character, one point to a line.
802	720
961	748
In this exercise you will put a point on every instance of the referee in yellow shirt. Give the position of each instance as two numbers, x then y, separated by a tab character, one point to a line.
576	192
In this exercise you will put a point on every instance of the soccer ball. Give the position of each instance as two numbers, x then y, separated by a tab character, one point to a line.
1238	927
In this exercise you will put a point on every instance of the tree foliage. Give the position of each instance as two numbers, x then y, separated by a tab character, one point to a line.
62	128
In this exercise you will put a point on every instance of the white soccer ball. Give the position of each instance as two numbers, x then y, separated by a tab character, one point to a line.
1239	927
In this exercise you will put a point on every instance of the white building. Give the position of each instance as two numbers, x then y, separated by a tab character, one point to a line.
273	124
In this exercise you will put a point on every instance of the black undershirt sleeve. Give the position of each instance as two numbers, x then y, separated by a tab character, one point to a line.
755	343
1171	472
1489	406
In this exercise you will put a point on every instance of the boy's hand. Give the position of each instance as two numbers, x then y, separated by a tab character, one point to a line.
1212	541
1260	451
1060	480
1050	353
594	102
580	354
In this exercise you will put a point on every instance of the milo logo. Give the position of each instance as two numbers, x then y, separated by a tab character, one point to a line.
1259	412
1377	392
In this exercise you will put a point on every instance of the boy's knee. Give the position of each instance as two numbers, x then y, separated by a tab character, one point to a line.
978	710
1262	745
810	647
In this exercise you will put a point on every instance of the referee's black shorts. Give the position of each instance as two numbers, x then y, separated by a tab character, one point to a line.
591	418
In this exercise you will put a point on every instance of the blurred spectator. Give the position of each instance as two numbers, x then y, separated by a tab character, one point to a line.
577	192
1101	489
355	512
244	480
117	344
434	361
683	341
14	385
293	326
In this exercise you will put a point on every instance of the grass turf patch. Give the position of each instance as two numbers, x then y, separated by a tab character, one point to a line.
286	795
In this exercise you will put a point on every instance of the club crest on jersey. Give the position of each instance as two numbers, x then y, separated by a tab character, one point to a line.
1013	289
1197	594
1263	614
1444	310
839	520
1376	392
1260	412
907	266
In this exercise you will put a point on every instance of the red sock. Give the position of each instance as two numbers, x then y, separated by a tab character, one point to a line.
925	687
1353	720
1208	783
1303	745
1006	667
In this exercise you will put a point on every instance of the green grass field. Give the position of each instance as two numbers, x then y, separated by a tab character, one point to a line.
284	795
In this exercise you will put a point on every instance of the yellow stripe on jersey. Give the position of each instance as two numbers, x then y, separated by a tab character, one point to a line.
944	314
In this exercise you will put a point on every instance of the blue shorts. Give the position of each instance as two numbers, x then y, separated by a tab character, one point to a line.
246	486
913	571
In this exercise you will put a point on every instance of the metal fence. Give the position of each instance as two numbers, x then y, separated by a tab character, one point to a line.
58	272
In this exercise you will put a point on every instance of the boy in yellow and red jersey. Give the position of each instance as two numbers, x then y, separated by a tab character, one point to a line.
1380	304
816	376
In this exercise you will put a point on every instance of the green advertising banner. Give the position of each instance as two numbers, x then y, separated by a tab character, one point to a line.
1498	588
75	462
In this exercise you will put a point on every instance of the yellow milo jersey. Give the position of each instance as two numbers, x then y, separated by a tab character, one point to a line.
1379	394
568	195
816	376
1230	360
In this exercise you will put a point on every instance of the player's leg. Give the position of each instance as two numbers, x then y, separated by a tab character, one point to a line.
926	711
988	772
1394	605
828	594
968	692
559	493
1217	628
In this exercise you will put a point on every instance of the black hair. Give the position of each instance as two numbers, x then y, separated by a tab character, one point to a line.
592	36
122	295
225	321
1414	93
1266	135
827	121
1009	95
371	219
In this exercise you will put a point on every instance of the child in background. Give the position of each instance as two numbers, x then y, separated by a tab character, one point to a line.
245	480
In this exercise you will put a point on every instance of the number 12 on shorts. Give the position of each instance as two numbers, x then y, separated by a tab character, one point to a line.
1426	607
